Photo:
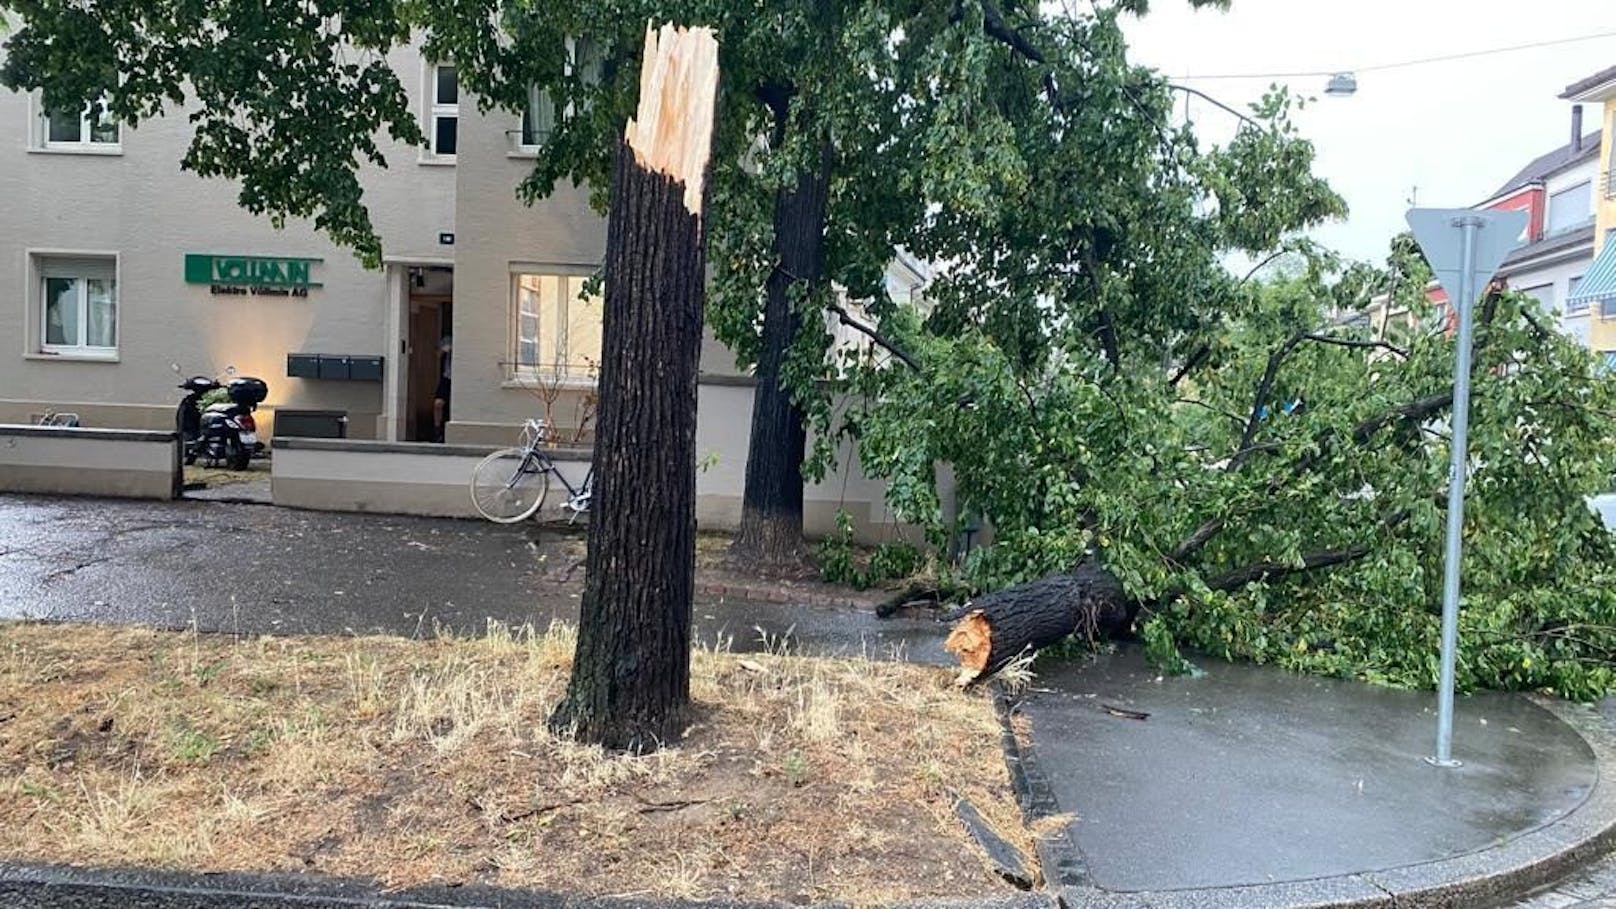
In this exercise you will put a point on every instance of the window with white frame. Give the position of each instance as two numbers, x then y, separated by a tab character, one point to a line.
556	326
92	129
78	305
538	118
1570	208
586	61
444	91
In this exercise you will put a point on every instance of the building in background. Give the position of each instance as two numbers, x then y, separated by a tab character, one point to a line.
1597	290
118	264
1556	190
115	264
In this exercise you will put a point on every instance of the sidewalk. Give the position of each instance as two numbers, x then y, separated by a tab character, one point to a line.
1249	786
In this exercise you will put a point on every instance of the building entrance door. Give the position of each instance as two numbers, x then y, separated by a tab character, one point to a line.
431	318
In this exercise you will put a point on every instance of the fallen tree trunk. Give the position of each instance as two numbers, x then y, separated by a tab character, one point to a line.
1003	625
998	628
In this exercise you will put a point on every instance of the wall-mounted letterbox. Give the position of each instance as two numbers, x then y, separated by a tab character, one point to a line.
303	366
333	367
362	368
365	369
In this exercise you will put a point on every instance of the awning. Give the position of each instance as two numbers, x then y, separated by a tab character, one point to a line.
1599	283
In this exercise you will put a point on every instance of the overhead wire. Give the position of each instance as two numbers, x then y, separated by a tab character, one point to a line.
1422	61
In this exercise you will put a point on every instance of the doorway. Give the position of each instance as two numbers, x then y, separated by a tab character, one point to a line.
430	311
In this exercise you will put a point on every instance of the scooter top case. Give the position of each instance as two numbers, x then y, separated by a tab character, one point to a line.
247	390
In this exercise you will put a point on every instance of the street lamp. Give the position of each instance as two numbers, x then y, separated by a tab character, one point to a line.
1342	85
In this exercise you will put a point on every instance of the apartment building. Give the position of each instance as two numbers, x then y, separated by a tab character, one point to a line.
1597	290
118	264
1557	190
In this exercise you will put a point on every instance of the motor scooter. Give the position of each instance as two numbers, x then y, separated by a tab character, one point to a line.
225	432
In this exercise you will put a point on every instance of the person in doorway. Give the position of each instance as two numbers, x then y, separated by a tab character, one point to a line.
440	398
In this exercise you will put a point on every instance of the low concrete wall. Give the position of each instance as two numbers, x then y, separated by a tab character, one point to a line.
428	479
133	464
362	424
390	477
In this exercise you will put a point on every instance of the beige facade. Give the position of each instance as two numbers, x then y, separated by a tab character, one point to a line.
462	257
129	208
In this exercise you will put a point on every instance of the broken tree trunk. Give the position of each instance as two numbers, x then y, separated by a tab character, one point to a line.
1003	625
630	684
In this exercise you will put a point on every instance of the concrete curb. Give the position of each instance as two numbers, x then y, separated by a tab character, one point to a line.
1508	870
1058	859
57	887
776	593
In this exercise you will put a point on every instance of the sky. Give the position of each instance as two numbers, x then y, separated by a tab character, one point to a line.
1455	130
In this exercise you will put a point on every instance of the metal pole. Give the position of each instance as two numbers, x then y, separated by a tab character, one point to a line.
1464	303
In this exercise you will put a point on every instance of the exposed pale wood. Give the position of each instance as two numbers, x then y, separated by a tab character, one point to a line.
1002	625
672	131
971	642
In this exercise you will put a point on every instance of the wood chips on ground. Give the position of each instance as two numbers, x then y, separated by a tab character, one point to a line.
427	762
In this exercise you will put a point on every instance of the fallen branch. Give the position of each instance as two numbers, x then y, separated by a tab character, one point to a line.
873	334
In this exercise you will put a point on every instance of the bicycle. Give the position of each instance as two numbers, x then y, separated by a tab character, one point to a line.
58	418
511	484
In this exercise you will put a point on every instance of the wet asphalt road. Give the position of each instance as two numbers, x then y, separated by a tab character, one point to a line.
263	570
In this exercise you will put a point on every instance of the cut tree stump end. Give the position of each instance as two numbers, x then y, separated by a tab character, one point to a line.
971	642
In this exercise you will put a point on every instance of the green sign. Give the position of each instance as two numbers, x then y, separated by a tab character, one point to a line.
249	271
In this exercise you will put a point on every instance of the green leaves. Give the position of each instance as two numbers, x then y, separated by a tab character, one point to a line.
286	97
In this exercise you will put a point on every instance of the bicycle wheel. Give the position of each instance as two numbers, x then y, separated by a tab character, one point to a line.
508	486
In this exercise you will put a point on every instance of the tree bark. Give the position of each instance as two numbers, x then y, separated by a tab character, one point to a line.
630	685
771	507
1002	625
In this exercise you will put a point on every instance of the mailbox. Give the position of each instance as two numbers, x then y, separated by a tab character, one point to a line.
303	366
365	369
361	368
334	367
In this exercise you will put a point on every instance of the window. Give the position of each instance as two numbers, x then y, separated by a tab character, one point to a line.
539	117
1570	208
1543	294
1607	305
92	129
78	306
445	90
557	328
1573	305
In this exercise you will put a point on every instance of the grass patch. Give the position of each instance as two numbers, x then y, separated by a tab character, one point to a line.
414	762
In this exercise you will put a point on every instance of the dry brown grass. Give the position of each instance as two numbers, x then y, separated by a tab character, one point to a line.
428	761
